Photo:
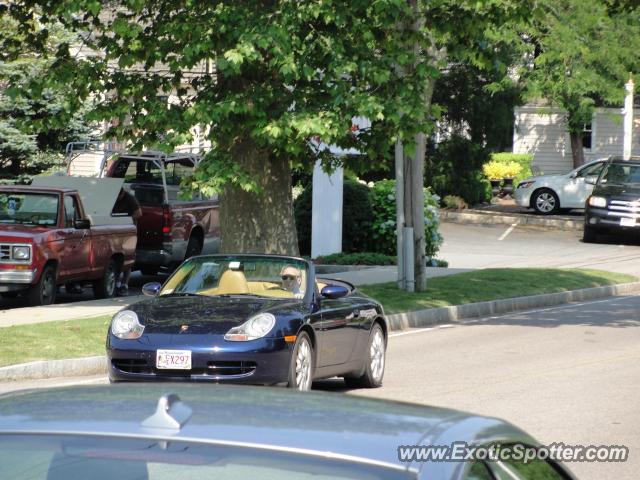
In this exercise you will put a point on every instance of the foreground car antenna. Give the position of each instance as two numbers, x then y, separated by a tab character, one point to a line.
171	414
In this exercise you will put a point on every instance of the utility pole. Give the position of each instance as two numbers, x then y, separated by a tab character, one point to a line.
628	120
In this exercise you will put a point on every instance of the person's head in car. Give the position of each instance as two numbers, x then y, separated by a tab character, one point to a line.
291	279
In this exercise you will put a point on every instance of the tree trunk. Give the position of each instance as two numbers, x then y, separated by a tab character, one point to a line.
577	152
263	221
417	200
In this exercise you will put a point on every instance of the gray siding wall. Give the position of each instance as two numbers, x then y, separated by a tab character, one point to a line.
542	132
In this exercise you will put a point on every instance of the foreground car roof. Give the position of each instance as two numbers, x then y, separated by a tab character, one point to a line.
326	423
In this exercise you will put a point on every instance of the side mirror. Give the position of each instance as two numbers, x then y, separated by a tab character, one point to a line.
591	179
151	289
334	291
82	224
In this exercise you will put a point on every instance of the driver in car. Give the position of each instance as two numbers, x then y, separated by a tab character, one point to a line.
292	280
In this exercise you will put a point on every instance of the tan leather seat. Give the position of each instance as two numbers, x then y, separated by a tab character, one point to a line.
232	281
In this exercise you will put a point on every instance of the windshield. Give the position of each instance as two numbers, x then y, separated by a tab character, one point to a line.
239	275
28	208
66	457
621	173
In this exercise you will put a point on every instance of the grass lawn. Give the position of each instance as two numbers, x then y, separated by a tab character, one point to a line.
490	284
86	337
53	340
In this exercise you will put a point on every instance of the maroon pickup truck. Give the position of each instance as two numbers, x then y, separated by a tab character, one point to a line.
170	229
48	237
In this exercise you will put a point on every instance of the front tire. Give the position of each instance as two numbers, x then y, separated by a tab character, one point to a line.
375	362
545	201
302	364
44	292
589	235
105	287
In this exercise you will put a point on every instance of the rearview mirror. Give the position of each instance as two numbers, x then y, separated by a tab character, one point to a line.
334	291
82	224
591	179
151	289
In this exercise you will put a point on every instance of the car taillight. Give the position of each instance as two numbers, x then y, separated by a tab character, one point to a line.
166	221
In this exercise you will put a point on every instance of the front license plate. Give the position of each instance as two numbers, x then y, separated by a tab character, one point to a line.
173	359
627	222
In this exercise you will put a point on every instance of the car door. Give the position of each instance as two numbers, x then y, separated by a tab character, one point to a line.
74	262
575	190
340	326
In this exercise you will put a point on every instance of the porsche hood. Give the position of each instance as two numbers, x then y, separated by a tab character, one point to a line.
202	315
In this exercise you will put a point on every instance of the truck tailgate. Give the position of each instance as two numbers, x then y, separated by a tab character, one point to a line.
150	227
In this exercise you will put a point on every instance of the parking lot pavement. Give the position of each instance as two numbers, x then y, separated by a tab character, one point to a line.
505	246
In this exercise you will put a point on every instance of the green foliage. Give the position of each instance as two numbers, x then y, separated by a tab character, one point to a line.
583	53
383	203
37	114
356	217
522	159
454	167
360	258
454	202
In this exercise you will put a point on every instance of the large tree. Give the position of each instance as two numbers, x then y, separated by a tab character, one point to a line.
582	54
266	77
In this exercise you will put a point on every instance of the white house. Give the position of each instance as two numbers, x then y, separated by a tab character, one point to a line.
542	131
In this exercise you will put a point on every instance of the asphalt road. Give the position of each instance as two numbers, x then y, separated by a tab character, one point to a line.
564	374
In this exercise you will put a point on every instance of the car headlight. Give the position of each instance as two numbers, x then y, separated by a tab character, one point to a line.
256	327
598	202
525	184
21	253
125	325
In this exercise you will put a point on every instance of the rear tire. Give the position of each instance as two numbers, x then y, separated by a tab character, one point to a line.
194	247
302	364
105	287
375	362
44	292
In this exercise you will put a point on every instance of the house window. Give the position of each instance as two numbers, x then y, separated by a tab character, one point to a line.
587	136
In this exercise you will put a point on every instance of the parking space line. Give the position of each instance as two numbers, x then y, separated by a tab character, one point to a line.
508	231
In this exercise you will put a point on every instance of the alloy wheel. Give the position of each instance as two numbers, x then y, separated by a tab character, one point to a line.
376	355
545	202
303	366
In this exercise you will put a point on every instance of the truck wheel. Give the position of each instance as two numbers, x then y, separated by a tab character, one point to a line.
44	292
589	235
106	286
194	247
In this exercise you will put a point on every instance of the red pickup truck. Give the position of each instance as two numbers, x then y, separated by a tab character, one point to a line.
170	229
49	237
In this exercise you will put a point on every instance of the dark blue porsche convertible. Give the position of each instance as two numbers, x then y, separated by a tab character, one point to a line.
262	319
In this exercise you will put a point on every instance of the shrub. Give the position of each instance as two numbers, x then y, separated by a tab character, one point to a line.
494	170
512	169
454	202
383	204
364	258
454	167
522	159
356	217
